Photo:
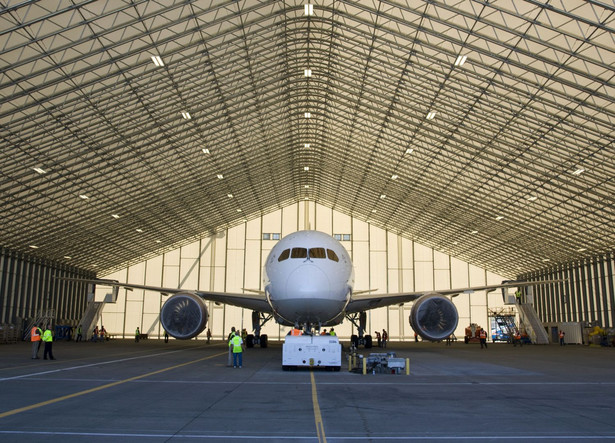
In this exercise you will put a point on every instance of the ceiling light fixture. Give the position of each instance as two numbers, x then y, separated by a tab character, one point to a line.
409	151
394	177
220	176
306	168
205	151
474	232
157	61
431	115
581	249
308	115
306	145
139	230
115	216
308	9
40	170
67	257
461	60
229	195
158	241
307	72
186	115
83	196
34	246
579	171
531	198
383	196
499	217
306	186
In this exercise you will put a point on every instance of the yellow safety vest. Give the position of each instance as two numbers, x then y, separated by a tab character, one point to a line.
47	336
236	342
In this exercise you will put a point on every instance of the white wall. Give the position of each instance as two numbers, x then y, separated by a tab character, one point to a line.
233	259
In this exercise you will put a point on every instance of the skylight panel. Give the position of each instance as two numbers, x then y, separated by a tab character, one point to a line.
461	60
157	61
308	9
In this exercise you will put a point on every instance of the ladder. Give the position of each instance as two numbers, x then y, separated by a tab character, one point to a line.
505	319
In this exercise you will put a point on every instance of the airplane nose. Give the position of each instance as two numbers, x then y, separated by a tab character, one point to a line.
308	280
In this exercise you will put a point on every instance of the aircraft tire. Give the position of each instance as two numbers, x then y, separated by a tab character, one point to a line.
354	339
263	340
368	342
250	341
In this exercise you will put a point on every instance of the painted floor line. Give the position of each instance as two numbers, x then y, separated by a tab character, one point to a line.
34	374
99	388
297	437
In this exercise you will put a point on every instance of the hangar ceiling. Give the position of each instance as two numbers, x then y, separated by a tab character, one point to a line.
483	129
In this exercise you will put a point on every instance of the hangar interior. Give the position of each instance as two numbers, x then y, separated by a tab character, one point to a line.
461	140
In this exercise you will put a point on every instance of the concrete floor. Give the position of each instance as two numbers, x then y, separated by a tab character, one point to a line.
156	392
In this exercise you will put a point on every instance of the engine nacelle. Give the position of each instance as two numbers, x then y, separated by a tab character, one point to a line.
184	315
434	317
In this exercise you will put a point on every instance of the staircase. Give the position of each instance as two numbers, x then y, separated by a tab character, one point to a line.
90	318
43	318
533	325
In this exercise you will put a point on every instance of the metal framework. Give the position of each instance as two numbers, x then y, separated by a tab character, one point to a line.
514	172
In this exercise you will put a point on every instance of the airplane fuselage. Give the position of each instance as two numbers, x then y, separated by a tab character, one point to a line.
308	279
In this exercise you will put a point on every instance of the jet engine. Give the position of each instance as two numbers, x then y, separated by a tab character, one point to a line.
434	317
184	315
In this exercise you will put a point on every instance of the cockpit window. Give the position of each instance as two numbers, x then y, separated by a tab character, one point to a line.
317	253
298	253
284	255
332	255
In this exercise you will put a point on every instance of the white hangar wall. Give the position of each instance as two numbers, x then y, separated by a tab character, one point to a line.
233	259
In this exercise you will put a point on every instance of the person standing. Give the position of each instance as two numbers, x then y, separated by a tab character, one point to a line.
482	335
35	338
332	332
48	339
137	333
230	350
236	345
208	335
79	336
378	338
385	338
562	335
166	336
102	333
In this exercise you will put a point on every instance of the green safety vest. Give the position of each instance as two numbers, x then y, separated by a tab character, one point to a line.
47	336
236	342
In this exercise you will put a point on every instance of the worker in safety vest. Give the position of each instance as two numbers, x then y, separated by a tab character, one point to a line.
236	345
48	339
332	332
482	335
230	350
295	331
35	338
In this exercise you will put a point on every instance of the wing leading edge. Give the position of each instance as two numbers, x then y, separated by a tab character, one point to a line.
256	302
364	302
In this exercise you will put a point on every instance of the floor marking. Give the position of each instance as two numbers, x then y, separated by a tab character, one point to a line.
88	365
320	428
298	437
99	388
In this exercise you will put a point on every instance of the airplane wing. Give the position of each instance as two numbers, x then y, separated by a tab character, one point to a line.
362	302
257	301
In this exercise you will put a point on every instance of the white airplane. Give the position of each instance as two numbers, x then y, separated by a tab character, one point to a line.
308	283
